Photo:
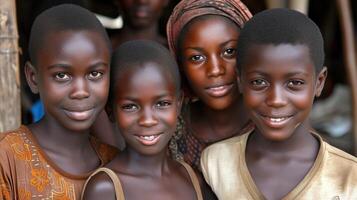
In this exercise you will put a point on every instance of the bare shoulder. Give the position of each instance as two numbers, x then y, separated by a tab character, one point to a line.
99	186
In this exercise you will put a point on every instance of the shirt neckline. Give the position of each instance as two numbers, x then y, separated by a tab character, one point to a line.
252	187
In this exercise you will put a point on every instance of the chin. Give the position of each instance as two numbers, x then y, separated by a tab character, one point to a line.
220	104
276	136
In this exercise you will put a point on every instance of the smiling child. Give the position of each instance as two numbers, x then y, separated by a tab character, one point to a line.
280	62
69	68
145	99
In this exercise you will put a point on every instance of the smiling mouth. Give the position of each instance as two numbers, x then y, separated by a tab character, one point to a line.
79	115
219	91
148	140
276	122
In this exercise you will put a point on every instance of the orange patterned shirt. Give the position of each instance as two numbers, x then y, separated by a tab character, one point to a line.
26	173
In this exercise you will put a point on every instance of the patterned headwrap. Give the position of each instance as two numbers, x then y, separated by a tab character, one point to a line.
186	10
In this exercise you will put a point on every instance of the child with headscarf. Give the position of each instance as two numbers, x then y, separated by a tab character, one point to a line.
203	36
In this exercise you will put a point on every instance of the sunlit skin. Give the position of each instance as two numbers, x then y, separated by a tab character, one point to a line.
141	21
279	83
146	106
72	77
208	61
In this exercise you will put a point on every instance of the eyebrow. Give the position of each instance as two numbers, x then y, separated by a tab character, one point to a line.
62	65
130	98
288	74
202	48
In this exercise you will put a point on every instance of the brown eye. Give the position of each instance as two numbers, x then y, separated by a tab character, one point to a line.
196	58
61	76
231	52
259	84
295	84
129	107
163	104
95	75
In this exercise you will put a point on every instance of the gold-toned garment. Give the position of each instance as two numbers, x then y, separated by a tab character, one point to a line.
26	172
333	176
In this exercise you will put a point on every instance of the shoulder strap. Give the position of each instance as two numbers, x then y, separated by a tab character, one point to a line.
194	179
119	193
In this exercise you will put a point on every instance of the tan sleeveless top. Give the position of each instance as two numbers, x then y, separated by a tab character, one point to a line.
119	193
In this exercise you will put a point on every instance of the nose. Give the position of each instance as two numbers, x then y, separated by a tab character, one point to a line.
147	117
215	67
80	89
276	97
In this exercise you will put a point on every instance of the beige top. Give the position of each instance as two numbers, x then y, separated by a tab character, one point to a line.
332	176
26	173
119	193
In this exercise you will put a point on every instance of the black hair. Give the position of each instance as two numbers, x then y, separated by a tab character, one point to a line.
135	53
65	17
281	26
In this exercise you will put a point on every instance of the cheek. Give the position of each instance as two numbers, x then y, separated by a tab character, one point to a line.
303	100
125	121
169	117
100	89
195	77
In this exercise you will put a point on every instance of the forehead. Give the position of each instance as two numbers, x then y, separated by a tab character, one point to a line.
147	78
68	44
209	27
282	57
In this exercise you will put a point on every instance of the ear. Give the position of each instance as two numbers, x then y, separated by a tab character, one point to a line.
31	77
320	81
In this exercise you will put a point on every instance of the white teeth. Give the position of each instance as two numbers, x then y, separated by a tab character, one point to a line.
218	88
277	119
149	138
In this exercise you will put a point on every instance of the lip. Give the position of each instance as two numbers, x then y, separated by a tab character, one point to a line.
141	12
148	140
219	90
80	115
276	121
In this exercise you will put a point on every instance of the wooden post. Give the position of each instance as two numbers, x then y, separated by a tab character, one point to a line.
10	104
349	51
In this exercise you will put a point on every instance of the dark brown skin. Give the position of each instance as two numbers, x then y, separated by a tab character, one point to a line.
148	105
280	83
208	59
72	77
141	21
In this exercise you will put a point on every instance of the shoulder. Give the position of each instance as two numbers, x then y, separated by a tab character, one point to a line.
339	156
17	138
219	149
99	186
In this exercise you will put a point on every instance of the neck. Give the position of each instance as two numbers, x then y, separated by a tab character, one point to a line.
152	165
223	123
50	135
300	141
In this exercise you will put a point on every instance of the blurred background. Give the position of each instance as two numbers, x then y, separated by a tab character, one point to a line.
333	112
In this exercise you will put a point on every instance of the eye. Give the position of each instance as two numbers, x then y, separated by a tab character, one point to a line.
196	58
95	75
259	84
163	104
295	84
230	53
130	107
62	76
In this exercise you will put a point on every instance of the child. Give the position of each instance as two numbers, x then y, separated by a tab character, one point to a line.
141	21
145	99
280	62
69	68
203	35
